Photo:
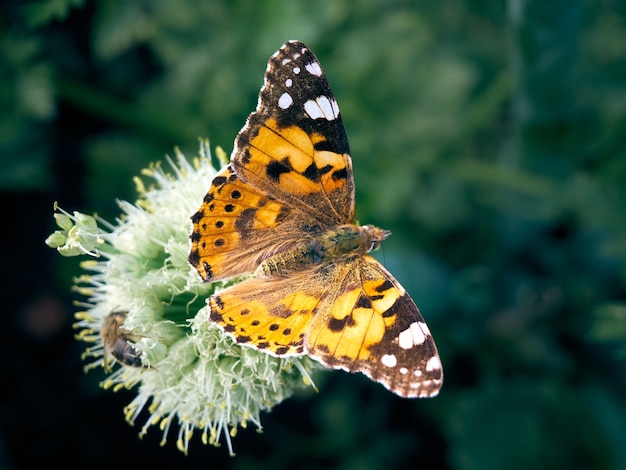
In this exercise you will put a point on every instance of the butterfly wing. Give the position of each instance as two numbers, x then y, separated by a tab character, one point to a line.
270	314
238	226
371	325
294	146
353	316
290	177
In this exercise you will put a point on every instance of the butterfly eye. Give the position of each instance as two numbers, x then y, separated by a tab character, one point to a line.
374	236
374	246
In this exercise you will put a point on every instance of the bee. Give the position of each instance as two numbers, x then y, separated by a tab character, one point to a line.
118	341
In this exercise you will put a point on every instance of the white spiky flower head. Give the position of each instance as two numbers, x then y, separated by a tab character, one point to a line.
185	369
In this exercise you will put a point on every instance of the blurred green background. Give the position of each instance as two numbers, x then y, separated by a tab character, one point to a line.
489	136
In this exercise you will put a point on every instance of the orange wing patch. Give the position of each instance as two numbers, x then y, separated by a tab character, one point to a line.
288	158
268	314
228	230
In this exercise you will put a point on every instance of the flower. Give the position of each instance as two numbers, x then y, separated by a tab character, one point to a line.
146	311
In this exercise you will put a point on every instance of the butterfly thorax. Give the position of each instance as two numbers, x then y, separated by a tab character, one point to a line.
331	246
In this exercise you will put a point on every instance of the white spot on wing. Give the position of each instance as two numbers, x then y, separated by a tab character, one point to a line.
313	110
296	70
434	363
327	107
314	69
285	100
413	335
404	370
322	107
288	82
389	360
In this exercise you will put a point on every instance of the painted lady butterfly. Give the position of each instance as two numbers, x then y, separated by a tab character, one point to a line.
284	209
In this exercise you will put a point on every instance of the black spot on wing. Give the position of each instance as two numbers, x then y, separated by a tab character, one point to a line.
208	269
323	145
337	325
245	159
197	217
363	302
312	173
276	168
218	301
384	286
323	348
194	257
341	174
219	181
245	221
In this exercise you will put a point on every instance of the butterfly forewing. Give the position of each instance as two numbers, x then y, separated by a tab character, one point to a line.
294	145
238	226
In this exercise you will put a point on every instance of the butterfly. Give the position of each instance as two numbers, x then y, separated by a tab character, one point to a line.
118	342
284	209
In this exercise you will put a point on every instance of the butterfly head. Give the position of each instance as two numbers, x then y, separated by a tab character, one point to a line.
374	236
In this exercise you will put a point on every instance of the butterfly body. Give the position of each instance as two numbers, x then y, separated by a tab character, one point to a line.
284	209
331	246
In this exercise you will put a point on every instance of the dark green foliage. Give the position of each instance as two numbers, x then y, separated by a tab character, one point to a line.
488	136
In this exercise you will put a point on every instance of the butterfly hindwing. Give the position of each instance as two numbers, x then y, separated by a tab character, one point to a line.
374	327
353	316
270	314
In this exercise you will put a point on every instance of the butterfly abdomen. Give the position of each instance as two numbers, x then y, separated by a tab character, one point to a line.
331	246
280	264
